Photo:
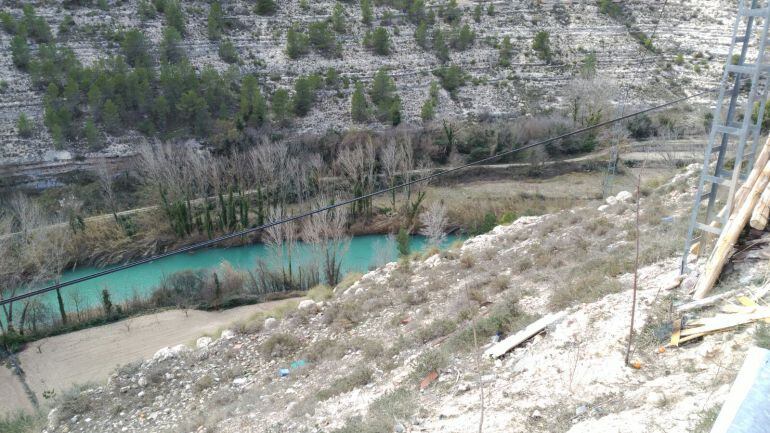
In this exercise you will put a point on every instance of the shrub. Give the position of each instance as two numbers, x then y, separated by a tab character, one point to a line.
174	15
170	48
359	110
421	35
215	21
321	292
366	11
452	78
280	345
296	43
135	48
227	52
21	422
266	7
542	45
402	242
762	336
20	52
24	126
440	45
381	41
506	52
360	376
426	112
321	37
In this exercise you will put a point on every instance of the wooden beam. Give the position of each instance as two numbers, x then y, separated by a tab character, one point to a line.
740	195
525	334
761	211
729	235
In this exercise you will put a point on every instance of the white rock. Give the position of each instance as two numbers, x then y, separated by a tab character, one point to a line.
611	200
624	196
656	399
142	381
240	381
536	414
228	334
170	352
203	342
603	207
308	305
271	323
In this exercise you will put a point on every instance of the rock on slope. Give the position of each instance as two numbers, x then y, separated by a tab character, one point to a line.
354	363
697	29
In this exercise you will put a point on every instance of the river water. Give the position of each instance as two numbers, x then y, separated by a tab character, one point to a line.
363	253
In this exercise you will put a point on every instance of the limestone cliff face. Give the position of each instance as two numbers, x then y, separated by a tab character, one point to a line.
697	29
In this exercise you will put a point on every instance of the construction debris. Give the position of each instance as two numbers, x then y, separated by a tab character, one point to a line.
736	315
735	224
745	409
525	334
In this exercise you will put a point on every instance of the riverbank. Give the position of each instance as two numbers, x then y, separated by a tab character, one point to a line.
91	355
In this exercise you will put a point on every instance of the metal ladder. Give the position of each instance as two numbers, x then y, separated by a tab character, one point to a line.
732	125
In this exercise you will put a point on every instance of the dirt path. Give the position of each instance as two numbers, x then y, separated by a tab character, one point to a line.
91	355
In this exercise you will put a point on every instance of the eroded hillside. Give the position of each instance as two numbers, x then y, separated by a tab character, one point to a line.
362	358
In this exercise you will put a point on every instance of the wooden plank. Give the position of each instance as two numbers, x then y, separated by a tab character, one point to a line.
745	409
525	334
706	302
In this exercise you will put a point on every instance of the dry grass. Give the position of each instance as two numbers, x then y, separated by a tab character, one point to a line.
467	260
321	292
280	345
360	376
762	336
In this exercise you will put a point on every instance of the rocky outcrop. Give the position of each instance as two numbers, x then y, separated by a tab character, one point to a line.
698	30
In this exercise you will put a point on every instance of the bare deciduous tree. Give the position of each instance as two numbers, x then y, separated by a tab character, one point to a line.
434	221
104	176
327	233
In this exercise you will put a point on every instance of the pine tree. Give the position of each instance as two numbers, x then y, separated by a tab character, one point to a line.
421	35
304	94
426	112
266	7
110	116
296	43
440	46
366	11
92	135
20	52
24	126
381	41
281	106
174	15
134	47
338	18
358	107
465	38
506	51
542	45
253	107
170	49
227	52
477	13
216	21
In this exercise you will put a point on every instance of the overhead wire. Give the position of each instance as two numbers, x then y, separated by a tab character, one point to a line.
345	202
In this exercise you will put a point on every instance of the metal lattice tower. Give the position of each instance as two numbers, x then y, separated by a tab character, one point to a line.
738	114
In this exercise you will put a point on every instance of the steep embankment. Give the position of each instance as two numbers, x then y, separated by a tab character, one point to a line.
355	362
698	30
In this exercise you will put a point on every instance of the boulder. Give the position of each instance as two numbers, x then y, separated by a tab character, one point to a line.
228	334
624	196
170	352
271	323
308	306
203	342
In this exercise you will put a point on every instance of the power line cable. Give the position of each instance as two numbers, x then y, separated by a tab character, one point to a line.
346	202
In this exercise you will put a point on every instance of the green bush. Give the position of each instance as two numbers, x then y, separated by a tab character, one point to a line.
359	111
266	7
281	106
381	41
366	11
506	52
24	126
402	242
542	45
20	52
321	37
174	15
296	43
452	78
135	49
215	21
227	52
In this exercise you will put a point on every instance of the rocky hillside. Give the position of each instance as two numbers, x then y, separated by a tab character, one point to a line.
396	350
695	29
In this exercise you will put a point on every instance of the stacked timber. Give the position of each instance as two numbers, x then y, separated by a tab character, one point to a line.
751	206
